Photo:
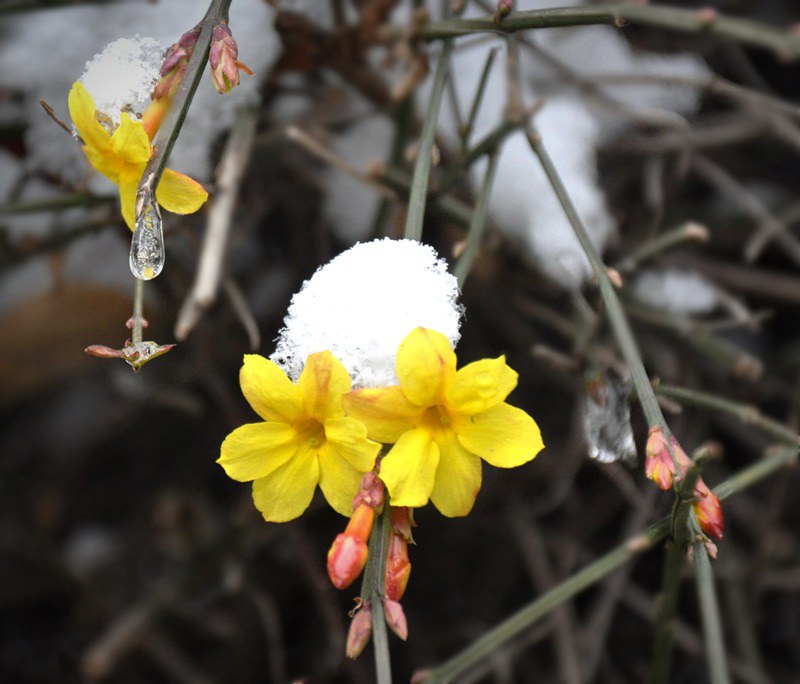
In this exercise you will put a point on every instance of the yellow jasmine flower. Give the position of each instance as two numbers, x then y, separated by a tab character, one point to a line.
442	423
121	156
305	438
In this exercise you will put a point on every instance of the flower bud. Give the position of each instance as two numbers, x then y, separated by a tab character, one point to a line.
360	632
402	521
398	568
708	510
222	59
395	618
348	554
372	492
659	466
174	65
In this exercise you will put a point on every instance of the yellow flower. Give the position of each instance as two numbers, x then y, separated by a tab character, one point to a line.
122	156
443	423
305	440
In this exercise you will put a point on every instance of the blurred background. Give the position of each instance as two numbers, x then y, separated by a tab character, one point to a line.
126	554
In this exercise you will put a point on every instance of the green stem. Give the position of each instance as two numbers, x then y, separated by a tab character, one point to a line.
663	243
422	168
138	311
665	615
466	133
746	413
372	588
709	610
616	315
477	224
75	199
591	574
171	127
689	21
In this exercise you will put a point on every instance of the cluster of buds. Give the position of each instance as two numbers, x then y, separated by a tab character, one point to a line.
661	468
136	354
174	66
223	59
349	553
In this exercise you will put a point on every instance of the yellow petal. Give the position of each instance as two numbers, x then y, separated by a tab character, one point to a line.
180	194
504	436
255	450
322	383
409	469
348	438
386	412
106	163
82	110
270	392
287	491
338	480
426	366
130	142
127	195
458	477
480	385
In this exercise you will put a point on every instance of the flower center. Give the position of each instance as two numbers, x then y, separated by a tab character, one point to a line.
314	434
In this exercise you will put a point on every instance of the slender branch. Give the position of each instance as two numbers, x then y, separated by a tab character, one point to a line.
709	610
616	315
665	613
690	232
422	168
75	199
746	413
591	574
171	126
744	31
138	311
477	224
466	133
372	590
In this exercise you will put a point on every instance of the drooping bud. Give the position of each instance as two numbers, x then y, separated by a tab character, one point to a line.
174	65
395	618
708	510
223	59
398	568
348	554
360	632
402	521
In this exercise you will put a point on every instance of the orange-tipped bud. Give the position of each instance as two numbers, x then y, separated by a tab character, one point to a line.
659	466
708	510
360	632
372	492
222	59
348	554
398	568
174	65
395	618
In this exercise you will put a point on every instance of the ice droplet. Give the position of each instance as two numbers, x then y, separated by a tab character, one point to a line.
147	245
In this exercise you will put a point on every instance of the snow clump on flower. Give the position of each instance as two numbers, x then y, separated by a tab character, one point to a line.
122	76
363	303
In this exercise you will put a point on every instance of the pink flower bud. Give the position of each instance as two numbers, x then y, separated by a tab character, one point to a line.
349	552
395	618
174	65
223	59
398	568
708	510
372	492
360	632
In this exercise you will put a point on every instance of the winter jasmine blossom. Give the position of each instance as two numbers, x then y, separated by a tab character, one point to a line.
305	439
442	423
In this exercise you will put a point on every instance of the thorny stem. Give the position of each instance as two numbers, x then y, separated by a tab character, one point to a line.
593	573
171	126
422	168
748	32
138	311
709	610
616	315
477	224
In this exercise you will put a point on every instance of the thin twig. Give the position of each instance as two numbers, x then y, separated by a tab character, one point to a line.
709	610
690	232
748	32
230	172
52	114
466	132
246	317
422	168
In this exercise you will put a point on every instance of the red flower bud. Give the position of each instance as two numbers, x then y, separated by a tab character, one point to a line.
659	466
398	568
360	631
348	554
708	510
174	65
